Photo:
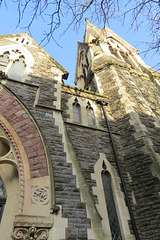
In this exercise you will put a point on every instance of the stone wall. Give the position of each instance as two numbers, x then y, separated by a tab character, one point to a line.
69	156
134	106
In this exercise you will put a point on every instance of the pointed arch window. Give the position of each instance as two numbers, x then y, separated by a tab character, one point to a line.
111	207
76	111
12	63
90	115
3	197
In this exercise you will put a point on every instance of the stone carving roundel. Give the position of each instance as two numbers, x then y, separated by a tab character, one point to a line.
40	195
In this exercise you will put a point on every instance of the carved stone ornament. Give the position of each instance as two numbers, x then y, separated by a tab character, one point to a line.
31	233
5	132
40	195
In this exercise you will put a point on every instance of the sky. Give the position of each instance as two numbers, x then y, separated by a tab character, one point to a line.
65	54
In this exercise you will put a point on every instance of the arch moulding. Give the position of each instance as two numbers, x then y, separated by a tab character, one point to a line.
27	156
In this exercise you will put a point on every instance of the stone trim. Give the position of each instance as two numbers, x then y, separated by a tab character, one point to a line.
95	232
122	210
29	60
99	128
81	92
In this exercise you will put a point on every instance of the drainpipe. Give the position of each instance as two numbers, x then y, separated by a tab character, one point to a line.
103	103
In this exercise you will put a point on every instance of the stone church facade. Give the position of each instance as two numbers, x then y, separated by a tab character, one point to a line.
79	163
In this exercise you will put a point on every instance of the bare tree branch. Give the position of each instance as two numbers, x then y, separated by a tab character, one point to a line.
99	11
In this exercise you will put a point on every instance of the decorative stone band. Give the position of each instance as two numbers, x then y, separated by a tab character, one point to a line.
26	129
32	233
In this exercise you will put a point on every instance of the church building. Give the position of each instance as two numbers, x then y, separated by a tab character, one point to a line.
79	163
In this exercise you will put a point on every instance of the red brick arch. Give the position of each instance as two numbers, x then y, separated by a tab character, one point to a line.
24	126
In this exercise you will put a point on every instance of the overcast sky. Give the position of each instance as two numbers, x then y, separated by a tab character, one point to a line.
66	54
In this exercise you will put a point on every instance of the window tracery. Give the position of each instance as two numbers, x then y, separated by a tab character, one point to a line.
119	51
4	147
13	64
23	40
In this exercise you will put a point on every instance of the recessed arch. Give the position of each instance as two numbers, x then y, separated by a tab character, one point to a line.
14	116
103	165
111	208
26	172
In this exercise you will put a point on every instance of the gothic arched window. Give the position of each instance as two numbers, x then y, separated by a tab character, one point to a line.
90	115
111	208
12	63
76	111
3	197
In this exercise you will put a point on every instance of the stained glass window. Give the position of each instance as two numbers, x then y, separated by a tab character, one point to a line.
76	112
111	208
3	197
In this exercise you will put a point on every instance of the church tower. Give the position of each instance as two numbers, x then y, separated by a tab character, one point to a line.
108	65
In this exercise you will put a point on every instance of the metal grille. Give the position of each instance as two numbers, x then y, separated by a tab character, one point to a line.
90	116
17	70
111	208
76	112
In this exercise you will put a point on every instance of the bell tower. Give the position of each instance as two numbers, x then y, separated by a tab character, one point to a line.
108	65
100	50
